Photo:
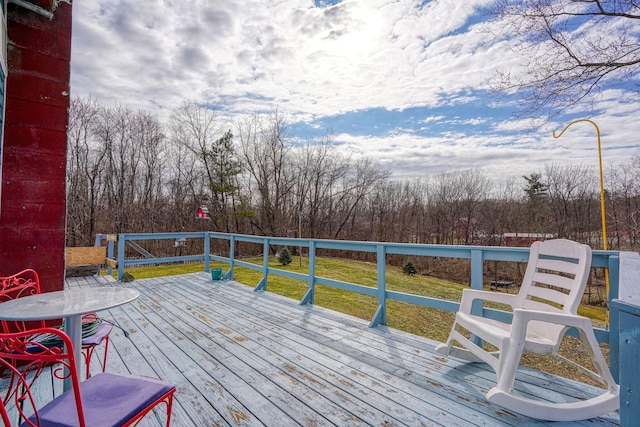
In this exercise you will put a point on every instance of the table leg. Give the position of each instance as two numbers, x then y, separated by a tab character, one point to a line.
73	328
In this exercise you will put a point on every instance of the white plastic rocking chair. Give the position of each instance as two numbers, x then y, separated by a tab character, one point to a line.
543	310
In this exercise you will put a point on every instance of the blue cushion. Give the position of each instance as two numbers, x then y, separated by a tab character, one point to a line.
108	400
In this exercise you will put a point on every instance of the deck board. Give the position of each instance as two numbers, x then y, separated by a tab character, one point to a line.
245	358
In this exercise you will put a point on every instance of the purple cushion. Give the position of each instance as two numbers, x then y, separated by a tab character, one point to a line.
104	329
108	400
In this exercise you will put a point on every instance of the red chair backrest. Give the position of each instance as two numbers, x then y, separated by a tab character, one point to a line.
19	285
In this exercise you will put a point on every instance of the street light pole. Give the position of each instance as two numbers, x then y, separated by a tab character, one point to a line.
602	209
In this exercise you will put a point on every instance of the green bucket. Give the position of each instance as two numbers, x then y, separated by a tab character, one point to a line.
216	273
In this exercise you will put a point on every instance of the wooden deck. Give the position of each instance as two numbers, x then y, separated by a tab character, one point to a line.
245	358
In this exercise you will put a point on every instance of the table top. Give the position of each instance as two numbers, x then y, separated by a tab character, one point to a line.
65	303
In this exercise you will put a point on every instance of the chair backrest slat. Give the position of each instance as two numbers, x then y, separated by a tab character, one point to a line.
559	265
550	279
555	280
565	265
546	296
541	306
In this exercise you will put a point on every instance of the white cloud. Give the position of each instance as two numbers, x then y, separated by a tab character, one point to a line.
253	56
433	119
499	155
350	56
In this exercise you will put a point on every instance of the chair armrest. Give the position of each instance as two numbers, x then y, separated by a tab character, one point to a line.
521	317
470	295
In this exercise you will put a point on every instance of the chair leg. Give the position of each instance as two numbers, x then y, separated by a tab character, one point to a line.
88	354
166	400
106	350
509	360
169	406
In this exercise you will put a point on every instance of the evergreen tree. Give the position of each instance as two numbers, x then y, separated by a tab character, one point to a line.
535	189
409	269
537	192
284	257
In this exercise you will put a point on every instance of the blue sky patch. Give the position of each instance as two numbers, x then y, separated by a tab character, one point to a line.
326	3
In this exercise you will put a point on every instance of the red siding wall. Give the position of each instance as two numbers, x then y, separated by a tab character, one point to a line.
32	217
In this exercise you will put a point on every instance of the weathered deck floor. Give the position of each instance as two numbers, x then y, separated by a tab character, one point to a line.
246	358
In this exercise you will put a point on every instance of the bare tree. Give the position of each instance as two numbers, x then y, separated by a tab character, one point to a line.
363	179
475	188
122	177
184	188
149	182
213	154
623	217
84	165
398	211
265	145
573	49
124	135
444	193
503	211
319	171
573	201
454	200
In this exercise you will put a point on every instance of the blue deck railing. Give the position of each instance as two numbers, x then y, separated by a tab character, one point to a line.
476	255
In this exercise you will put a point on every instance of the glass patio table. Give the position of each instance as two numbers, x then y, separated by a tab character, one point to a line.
69	304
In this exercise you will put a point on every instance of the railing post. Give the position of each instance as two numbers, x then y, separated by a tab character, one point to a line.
207	252
232	255
477	277
262	286
624	269
614	321
380	317
109	255
309	296
121	238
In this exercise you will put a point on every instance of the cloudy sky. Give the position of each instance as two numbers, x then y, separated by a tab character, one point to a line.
403	82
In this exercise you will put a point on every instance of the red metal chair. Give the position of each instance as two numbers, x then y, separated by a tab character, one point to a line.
105	399
26	283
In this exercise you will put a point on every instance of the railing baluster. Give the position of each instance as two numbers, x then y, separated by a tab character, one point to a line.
310	295
262	286
207	252
380	316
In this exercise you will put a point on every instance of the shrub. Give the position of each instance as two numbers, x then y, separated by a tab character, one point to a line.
284	257
409	268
